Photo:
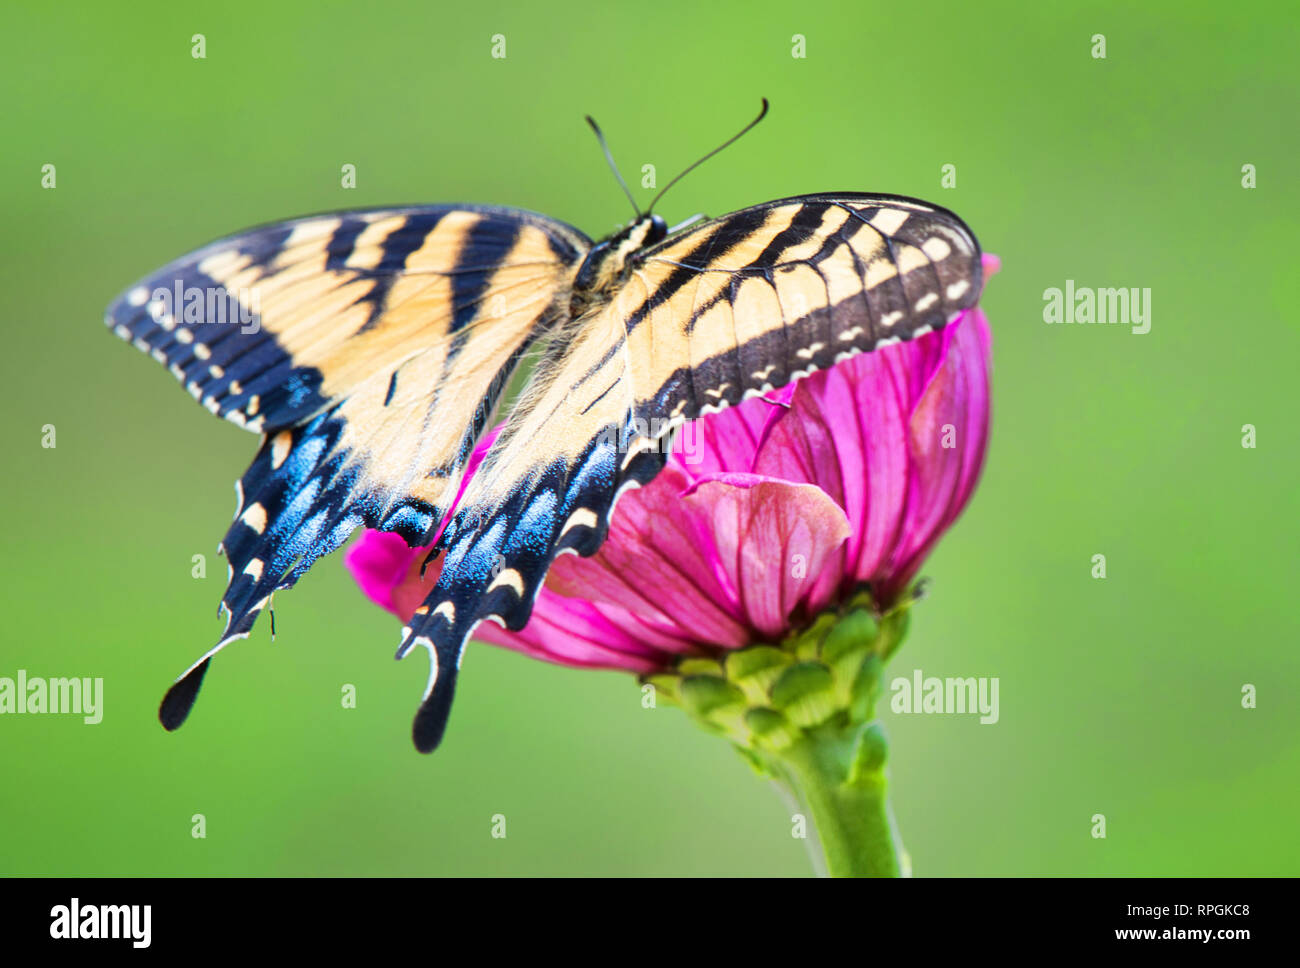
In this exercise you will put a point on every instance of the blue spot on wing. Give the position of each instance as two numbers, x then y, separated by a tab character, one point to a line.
523	534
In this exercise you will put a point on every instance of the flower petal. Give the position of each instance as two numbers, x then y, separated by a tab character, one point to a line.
948	438
715	562
571	631
775	538
731	439
379	561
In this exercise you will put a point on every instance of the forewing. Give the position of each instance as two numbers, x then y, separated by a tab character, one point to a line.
751	301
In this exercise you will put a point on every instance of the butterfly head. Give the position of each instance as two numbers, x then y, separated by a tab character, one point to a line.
642	231
606	263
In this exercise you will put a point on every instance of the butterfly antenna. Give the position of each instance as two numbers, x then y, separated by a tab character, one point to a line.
609	157
732	140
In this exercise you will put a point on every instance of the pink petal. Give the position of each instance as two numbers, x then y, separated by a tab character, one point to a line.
731	439
379	561
774	538
949	435
724	558
570	631
651	564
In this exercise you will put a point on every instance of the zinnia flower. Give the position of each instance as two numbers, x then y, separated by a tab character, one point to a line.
763	577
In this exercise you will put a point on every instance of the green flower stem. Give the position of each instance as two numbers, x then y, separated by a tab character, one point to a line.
838	776
802	711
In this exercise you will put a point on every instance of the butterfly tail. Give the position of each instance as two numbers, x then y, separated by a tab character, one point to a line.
497	558
179	699
178	702
431	718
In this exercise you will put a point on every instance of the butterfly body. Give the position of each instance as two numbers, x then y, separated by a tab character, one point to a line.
375	347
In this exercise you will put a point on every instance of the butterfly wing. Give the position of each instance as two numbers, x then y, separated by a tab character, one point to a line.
734	307
369	349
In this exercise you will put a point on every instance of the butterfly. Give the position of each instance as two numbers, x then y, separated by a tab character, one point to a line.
371	349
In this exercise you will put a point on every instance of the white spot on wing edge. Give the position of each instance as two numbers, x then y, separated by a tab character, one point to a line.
510	578
255	517
581	518
427	642
280	446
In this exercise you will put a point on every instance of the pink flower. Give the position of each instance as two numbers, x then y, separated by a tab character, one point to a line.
781	507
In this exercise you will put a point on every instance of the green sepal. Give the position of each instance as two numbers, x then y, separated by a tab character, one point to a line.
666	685
695	666
865	689
756	762
705	695
755	669
801	712
805	693
771	730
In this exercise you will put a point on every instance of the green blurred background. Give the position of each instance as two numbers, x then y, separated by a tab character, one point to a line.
1119	697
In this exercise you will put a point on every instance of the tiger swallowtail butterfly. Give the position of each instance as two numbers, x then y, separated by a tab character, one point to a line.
370	349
